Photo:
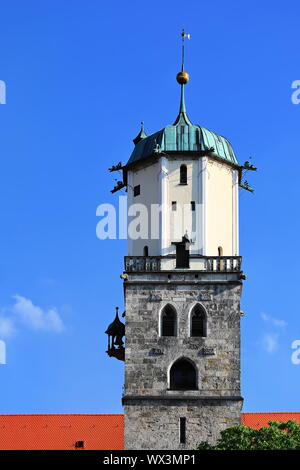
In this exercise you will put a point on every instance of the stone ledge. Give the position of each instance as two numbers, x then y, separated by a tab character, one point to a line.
176	282
136	399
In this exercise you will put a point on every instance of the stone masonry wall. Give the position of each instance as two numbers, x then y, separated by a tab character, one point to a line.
148	358
156	425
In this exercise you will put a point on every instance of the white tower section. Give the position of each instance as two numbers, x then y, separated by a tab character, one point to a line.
206	208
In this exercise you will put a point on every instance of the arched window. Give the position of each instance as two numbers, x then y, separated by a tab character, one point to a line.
168	321
183	375
220	251
146	251
183	174
198	322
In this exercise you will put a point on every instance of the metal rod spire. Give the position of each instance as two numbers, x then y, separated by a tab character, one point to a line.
183	36
182	50
182	78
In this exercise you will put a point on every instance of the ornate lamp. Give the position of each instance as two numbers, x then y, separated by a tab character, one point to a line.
115	332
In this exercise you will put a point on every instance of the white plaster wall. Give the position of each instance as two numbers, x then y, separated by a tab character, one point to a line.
149	180
214	188
184	219
221	209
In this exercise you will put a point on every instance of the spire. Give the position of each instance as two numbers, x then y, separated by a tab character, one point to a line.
182	108
182	117
182	78
141	135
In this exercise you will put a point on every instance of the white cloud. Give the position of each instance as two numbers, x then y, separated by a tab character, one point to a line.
35	317
7	328
270	342
273	321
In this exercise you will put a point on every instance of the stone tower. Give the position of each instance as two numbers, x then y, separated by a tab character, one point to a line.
182	287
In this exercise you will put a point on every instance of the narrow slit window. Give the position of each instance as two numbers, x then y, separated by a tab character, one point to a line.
137	190
174	205
183	174
146	251
193	205
182	430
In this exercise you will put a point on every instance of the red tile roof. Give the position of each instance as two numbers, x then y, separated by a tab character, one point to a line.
56	432
98	432
257	420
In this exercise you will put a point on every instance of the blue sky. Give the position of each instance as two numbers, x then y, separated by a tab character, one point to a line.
80	77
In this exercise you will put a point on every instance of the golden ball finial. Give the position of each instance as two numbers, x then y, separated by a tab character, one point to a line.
182	78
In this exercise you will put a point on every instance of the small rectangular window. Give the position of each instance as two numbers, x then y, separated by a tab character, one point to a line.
182	430
193	205
137	190
79	444
174	205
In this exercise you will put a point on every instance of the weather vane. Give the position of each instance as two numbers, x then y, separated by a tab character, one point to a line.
183	36
183	77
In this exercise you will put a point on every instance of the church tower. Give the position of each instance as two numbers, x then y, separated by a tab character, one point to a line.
182	287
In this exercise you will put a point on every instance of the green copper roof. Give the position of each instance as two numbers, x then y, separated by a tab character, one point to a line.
183	136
